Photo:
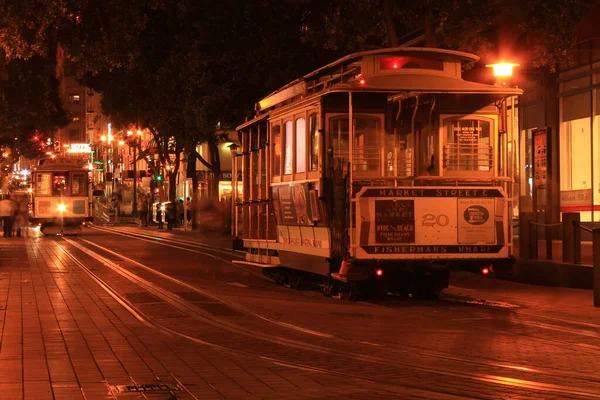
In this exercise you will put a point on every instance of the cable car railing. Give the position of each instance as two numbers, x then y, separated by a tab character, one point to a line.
467	157
373	160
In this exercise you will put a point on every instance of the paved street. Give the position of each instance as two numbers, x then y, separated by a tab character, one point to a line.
127	313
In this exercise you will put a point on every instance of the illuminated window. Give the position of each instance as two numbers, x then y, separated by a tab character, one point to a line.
60	184
314	142
42	184
300	145
276	140
74	98
289	139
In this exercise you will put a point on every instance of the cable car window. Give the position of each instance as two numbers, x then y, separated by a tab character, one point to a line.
468	146
367	138
300	145
276	138
314	142
60	184
78	185
43	185
287	157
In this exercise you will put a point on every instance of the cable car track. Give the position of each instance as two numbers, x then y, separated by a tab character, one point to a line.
181	304
492	305
205	248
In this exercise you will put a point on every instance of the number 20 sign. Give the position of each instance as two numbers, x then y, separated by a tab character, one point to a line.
432	220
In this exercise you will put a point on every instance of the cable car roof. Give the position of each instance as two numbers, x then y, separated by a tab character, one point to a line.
409	81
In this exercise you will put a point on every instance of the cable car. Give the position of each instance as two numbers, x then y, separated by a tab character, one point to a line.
61	201
384	169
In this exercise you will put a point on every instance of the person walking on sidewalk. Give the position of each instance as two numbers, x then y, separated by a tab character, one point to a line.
21	204
188	212
180	213
143	210
171	215
7	213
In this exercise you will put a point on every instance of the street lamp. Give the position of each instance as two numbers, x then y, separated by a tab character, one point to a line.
503	72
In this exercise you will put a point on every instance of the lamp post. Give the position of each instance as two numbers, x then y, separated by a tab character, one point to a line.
134	141
503	72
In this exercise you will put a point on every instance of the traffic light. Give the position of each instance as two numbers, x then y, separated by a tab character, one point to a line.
159	177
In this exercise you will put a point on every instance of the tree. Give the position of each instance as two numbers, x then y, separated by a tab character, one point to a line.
538	32
186	80
96	33
30	110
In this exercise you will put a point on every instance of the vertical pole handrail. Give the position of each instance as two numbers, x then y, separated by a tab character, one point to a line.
350	174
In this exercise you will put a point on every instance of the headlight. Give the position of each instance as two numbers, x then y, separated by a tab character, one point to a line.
61	207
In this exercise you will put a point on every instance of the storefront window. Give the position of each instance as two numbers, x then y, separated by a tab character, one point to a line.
578	192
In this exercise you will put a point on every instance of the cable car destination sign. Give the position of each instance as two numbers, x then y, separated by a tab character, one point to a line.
430	220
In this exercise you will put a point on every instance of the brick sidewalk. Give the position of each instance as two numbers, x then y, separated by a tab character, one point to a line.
63	337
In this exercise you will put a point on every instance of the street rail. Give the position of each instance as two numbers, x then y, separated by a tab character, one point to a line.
191	309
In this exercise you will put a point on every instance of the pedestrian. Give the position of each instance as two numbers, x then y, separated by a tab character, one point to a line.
21	213
116	204
188	211
143	210
7	211
180	213
171	215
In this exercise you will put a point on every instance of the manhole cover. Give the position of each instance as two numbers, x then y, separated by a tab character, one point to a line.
142	297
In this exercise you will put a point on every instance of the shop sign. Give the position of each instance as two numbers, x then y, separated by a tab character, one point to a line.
227	175
576	200
79	148
540	159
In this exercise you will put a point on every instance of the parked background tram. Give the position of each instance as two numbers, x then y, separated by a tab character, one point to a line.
61	196
384	167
